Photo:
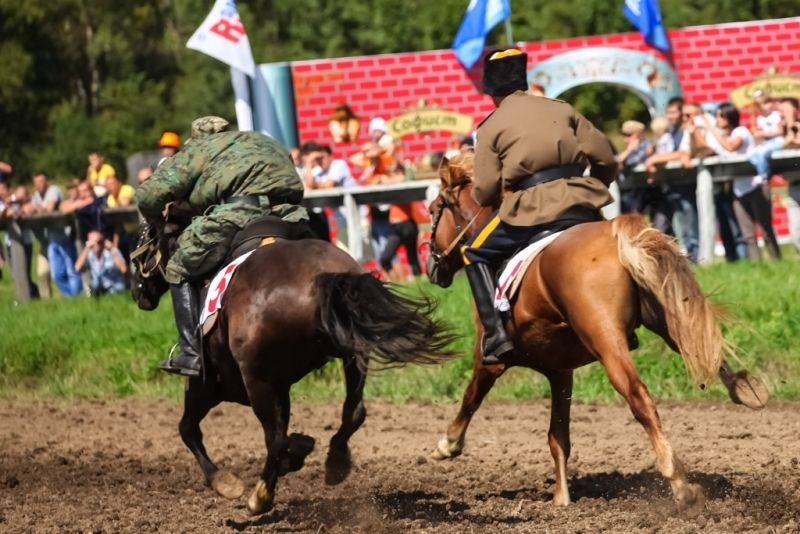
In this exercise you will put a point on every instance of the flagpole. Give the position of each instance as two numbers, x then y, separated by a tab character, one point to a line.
509	37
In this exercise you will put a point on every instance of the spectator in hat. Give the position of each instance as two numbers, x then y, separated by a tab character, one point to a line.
170	144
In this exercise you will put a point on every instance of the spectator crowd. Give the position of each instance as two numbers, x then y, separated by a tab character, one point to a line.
99	262
743	204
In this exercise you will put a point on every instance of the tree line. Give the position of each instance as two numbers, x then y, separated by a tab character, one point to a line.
82	75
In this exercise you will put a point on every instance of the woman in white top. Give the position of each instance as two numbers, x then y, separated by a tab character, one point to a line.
752	203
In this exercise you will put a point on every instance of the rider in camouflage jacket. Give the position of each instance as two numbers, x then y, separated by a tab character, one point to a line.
231	178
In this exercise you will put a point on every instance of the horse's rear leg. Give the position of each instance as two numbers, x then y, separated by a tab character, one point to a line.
612	350
338	464
271	405
199	398
558	435
743	388
483	378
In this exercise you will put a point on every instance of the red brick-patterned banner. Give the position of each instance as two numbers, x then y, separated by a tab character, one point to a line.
710	62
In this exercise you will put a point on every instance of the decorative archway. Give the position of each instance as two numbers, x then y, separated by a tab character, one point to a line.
653	79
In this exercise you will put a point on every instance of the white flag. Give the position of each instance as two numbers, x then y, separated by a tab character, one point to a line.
222	36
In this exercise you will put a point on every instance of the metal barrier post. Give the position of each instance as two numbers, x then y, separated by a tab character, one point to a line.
354	238
705	216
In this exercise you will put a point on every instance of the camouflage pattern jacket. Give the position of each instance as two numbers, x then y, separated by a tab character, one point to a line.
209	170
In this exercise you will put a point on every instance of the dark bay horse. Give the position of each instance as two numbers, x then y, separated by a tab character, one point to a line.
291	307
580	302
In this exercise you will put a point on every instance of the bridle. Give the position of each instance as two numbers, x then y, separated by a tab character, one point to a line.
147	256
461	233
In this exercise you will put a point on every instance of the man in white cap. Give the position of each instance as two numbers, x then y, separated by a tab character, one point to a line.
379	134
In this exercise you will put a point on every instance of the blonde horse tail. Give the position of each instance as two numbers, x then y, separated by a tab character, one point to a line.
693	321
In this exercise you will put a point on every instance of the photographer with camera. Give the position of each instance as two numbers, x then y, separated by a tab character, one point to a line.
107	267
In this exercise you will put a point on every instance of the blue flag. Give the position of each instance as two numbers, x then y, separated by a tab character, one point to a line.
480	18
646	16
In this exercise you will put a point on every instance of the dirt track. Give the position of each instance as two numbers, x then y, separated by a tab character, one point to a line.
120	466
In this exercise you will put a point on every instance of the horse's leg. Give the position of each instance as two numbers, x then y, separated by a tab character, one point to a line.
611	347
743	388
558	436
199	398
483	378
271	405
338	464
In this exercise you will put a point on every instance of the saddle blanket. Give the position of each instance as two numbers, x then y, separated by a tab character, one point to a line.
216	290
517	266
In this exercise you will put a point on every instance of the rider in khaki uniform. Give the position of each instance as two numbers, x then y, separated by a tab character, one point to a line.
530	158
232	179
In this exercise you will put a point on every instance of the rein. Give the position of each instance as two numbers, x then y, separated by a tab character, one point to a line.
461	231
460	236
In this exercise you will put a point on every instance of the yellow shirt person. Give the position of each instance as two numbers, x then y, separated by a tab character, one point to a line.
98	172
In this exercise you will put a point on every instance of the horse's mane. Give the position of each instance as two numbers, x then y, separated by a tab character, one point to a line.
458	170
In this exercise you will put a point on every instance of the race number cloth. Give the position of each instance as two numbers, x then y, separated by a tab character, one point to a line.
515	269
216	290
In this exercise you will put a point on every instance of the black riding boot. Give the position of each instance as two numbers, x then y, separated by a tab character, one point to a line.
496	345
185	306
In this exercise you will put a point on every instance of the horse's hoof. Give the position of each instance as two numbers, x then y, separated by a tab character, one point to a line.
691	499
227	484
446	450
337	466
261	500
561	499
748	390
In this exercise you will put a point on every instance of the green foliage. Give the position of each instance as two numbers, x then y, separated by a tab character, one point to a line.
81	74
107	347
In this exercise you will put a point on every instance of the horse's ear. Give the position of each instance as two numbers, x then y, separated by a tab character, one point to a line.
444	170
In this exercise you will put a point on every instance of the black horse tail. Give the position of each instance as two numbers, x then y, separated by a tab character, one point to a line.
363	316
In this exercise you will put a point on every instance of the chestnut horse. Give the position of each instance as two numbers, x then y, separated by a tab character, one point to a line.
291	306
580	302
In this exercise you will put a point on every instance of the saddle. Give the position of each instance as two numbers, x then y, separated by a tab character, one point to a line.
250	237
572	217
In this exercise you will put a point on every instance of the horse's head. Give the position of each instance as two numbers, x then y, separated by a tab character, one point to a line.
147	280
455	217
155	244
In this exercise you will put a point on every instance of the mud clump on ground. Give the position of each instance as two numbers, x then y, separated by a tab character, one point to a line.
120	466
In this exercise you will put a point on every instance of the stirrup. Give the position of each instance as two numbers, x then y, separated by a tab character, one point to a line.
170	365
501	355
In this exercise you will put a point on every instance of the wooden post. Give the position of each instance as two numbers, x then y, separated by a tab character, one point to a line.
20	262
